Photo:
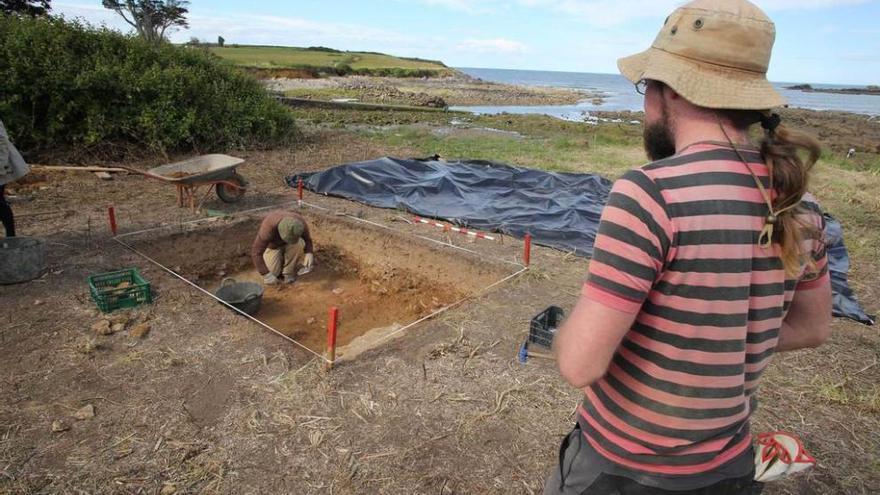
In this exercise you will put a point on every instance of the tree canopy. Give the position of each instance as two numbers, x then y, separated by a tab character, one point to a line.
151	18
32	8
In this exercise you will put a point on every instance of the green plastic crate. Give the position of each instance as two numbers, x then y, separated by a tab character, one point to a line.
107	294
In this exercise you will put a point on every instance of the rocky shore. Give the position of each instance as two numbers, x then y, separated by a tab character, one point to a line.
431	92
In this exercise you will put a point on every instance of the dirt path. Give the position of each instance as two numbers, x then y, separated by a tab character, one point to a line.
208	402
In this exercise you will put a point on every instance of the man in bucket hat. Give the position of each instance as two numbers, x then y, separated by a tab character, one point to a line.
707	261
282	242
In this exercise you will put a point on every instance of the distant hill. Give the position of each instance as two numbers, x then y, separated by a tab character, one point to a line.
321	60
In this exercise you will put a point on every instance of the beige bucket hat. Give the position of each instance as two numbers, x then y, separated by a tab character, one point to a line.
714	53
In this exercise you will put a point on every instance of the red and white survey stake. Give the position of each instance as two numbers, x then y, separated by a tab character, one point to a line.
460	230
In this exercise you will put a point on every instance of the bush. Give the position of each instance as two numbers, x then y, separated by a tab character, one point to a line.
397	72
322	49
342	68
68	84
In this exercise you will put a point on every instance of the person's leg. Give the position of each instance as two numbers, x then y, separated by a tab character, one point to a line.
574	474
577	473
274	259
292	257
6	213
733	486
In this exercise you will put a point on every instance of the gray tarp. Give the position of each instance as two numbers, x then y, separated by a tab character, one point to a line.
559	210
845	302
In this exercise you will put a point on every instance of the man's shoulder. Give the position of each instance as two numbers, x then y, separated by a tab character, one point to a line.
704	154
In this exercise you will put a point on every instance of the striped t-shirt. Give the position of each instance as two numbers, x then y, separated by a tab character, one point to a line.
678	245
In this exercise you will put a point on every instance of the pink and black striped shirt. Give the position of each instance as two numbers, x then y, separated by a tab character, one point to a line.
677	244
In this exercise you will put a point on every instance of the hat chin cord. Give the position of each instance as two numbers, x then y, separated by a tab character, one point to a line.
765	240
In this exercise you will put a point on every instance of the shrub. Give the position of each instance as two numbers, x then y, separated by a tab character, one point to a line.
322	49
342	69
69	84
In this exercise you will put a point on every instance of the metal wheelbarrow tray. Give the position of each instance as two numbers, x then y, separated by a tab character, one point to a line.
216	171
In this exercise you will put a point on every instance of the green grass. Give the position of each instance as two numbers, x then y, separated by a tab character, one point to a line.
272	57
543	142
323	93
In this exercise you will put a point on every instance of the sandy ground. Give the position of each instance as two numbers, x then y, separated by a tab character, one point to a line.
208	402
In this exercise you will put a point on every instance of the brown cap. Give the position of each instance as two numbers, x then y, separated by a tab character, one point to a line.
714	53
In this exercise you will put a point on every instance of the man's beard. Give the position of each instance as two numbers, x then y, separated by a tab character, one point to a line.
658	139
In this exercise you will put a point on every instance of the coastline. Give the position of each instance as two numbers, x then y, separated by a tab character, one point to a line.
867	91
838	131
459	90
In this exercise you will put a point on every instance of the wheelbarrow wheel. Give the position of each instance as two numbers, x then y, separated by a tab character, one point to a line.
229	194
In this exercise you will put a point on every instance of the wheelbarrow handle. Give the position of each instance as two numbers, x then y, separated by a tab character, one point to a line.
228	281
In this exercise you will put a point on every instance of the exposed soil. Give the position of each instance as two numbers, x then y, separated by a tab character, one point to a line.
378	280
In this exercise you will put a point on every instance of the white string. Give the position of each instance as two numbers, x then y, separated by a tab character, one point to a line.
198	220
456	303
501	260
212	219
181	277
286	337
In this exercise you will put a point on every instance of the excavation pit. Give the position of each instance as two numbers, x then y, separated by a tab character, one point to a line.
380	279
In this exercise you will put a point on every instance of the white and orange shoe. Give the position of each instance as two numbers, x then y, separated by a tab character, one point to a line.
780	454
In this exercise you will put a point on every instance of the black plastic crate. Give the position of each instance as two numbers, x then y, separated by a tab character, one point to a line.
543	326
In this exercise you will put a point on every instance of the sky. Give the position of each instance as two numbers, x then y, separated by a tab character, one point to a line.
818	41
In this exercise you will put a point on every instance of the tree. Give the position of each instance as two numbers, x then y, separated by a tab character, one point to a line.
221	41
151	18
32	8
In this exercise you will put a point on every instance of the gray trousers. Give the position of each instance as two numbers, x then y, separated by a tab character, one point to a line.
580	473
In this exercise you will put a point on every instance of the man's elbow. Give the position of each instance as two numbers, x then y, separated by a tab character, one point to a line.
578	373
819	335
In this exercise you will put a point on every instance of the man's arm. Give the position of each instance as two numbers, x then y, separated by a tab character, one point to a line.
588	339
257	249
808	321
631	245
261	243
307	239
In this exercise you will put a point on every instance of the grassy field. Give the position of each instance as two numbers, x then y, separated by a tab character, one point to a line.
270	57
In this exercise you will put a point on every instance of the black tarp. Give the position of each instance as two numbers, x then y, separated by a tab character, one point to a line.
559	210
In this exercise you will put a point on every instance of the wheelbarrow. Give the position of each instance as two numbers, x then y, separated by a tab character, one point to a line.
216	171
247	297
